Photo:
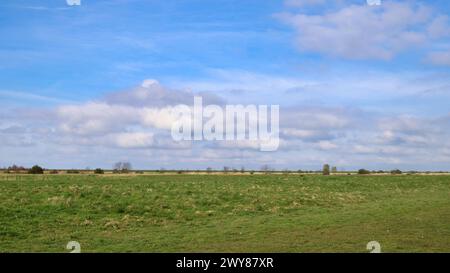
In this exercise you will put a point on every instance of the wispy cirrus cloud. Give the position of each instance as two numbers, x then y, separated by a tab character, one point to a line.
25	97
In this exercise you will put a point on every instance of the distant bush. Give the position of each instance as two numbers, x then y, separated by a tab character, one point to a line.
99	171
363	171
396	172
139	172
326	169
15	169
54	172
36	170
73	171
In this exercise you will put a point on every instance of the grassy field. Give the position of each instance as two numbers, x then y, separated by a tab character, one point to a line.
224	213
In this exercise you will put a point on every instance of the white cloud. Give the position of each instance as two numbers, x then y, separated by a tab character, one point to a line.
24	96
302	3
439	27
366	32
105	130
221	80
240	144
152	94
134	140
439	58
162	118
326	145
306	135
149	82
95	118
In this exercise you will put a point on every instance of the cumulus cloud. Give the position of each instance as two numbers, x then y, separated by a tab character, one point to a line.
135	118
94	118
134	140
152	94
109	129
366	32
306	135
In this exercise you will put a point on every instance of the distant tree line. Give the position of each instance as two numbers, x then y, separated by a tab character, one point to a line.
126	167
122	167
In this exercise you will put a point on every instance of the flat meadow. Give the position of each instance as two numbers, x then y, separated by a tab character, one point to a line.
224	213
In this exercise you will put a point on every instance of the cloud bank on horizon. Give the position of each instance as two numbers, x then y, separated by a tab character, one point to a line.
358	86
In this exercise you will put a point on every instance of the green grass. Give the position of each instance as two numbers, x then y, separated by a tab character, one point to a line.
224	213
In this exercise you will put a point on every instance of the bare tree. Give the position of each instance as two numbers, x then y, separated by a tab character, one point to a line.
126	166
117	166
265	168
122	167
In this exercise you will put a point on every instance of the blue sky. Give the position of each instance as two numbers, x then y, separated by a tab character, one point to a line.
61	50
342	64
